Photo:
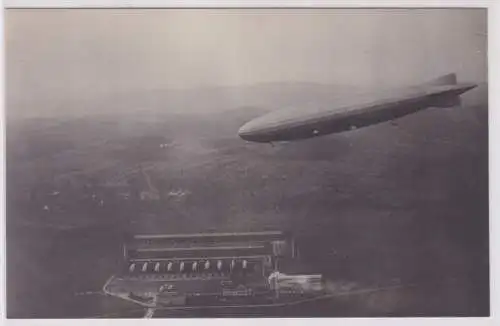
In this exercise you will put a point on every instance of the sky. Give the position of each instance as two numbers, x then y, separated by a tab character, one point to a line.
83	52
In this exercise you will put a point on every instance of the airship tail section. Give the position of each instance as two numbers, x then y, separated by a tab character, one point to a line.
449	79
447	101
450	98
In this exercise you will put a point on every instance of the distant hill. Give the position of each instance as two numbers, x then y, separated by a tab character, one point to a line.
201	100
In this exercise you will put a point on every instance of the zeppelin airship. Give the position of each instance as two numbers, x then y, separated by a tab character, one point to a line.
354	111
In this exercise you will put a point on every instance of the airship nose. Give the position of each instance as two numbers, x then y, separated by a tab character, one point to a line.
255	131
245	132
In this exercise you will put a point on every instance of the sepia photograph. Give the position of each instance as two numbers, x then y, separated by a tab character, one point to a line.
246	162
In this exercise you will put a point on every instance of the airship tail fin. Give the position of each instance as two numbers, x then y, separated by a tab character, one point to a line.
448	100
449	79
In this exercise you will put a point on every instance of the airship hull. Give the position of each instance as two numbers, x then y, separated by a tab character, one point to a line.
352	114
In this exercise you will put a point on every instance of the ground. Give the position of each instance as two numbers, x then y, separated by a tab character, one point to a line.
402	204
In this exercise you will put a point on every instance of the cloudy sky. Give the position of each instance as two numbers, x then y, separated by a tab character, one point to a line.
81	52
